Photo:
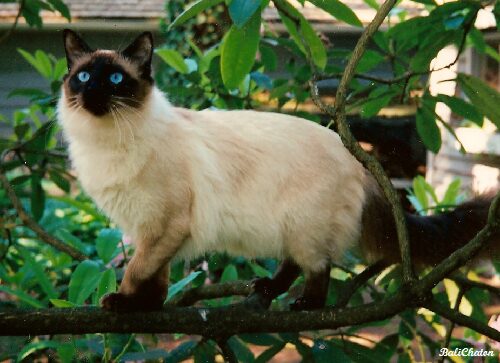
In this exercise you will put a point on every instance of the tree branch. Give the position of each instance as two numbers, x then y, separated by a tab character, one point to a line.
35	227
463	320
214	291
339	118
8	33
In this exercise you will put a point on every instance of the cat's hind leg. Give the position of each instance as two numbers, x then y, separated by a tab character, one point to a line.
269	288
315	290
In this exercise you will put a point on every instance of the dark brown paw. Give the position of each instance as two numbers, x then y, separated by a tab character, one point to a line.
120	302
304	303
263	286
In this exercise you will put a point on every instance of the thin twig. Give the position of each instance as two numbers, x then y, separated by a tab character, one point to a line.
9	32
463	320
449	331
34	226
359	280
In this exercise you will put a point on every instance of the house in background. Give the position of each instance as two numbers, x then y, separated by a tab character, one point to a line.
113	23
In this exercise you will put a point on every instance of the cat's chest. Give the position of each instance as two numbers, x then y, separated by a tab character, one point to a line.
117	183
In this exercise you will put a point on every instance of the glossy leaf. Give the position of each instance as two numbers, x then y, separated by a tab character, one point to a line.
107	283
462	108
39	272
106	243
428	130
83	281
338	10
37	197
58	303
173	59
241	10
179	285
192	10
482	96
238	51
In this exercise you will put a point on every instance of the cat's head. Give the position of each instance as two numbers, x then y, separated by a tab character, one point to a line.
103	81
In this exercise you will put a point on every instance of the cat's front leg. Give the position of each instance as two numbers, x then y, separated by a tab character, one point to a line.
145	283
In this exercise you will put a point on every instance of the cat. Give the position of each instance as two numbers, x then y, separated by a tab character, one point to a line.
182	183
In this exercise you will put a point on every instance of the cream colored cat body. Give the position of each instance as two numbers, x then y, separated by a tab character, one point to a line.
255	182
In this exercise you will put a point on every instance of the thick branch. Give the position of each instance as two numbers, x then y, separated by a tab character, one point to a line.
35	227
210	322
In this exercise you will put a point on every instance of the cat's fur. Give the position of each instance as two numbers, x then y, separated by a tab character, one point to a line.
182	183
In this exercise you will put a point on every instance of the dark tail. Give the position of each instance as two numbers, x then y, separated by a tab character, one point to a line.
432	238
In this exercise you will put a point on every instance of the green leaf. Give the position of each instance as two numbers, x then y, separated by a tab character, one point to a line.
60	181
60	7
58	303
33	347
60	69
318	51
244	354
107	283
462	108
482	96
229	274
241	10
430	48
173	59
268	58
259	271
369	60
179	285
268	354
419	191
451	194
327	352
22	296
260	339
31	93
44	63
305	34
39	273
193	10
106	243
37	197
66	352
428	130
83	281
237	60
339	10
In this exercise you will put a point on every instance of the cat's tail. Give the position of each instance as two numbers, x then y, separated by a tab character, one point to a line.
432	238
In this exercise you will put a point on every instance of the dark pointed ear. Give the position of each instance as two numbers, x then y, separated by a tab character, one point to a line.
74	46
140	52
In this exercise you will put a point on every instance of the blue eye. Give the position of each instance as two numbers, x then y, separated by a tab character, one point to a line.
83	76
116	78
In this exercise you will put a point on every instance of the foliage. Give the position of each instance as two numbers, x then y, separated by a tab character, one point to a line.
218	72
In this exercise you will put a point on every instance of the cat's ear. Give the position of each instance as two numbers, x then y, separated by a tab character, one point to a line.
74	46
140	52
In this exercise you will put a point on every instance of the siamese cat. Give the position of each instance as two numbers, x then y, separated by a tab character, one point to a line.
182	183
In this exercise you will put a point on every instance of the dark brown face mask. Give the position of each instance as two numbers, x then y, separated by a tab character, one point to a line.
101	80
